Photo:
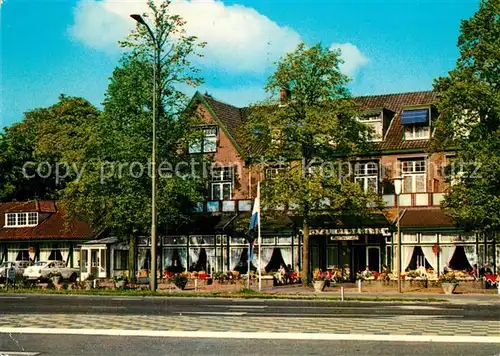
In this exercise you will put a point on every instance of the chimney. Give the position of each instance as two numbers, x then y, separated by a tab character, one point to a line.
284	95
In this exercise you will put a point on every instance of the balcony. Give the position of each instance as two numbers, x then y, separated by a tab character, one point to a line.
224	206
414	199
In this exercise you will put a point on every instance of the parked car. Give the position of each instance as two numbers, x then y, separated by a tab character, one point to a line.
48	269
18	266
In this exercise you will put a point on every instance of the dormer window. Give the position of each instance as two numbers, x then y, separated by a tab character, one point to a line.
416	123
21	219
374	120
208	143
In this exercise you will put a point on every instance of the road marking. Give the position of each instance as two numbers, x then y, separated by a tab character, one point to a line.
214	313
16	353
107	307
423	307
2	297
437	316
259	335
127	299
234	306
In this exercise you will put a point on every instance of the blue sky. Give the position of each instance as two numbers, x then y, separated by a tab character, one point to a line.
54	47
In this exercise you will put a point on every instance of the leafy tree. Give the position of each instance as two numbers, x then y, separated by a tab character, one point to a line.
312	136
469	100
115	190
37	154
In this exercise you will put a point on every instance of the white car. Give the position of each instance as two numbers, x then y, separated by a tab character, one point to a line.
49	269
18	266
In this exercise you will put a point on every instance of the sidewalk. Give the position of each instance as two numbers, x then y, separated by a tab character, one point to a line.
350	292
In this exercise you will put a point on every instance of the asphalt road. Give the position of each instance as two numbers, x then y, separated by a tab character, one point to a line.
113	345
62	304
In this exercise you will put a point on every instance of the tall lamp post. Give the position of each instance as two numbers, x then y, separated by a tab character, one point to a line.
153	280
398	181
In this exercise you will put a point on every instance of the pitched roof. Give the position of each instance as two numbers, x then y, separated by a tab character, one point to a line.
397	102
54	226
232	117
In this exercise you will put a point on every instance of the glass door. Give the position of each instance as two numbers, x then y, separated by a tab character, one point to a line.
373	258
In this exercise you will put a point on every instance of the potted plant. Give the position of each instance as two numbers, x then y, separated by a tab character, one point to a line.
449	282
56	278
180	280
121	281
89	282
319	281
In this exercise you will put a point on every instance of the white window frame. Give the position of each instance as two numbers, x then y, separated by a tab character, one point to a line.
27	219
376	122
210	134
222	177
414	173
417	132
363	173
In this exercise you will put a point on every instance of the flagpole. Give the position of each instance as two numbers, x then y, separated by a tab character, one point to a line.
259	238
248	269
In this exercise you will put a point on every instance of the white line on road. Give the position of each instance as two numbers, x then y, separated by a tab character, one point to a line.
258	335
214	313
107	307
127	299
235	306
16	353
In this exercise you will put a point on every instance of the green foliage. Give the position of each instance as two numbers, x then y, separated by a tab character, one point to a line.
310	136
46	137
469	100
121	150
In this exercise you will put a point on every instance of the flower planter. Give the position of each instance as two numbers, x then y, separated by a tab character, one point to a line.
319	285
449	288
121	284
56	279
89	284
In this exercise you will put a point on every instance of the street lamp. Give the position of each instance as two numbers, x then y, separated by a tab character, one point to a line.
397	190
153	281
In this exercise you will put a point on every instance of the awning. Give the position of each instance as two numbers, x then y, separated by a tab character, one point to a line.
269	224
426	219
327	221
415	116
198	225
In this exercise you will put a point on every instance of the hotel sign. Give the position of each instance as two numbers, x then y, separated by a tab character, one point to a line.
344	238
351	232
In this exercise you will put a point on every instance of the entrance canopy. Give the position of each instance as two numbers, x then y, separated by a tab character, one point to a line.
326	224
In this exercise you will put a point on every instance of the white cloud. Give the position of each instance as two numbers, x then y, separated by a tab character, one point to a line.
352	56
240	39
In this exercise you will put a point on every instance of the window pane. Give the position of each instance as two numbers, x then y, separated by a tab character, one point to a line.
11	219
420	166
407	184
371	168
372	183
406	166
32	218
210	144
210	131
21	219
195	147
420	183
226	194
216	191
360	181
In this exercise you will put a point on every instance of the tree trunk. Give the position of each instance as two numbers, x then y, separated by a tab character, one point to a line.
132	253
305	254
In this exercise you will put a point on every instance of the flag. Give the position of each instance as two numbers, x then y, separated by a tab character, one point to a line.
250	251
255	215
